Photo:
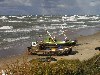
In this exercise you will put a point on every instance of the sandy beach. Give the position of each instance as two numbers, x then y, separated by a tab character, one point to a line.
84	50
86	47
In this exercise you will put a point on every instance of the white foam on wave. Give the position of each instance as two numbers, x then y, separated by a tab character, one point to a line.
95	17
64	17
94	21
3	17
40	20
15	39
6	27
12	16
20	30
22	17
72	18
55	20
71	26
41	27
58	24
14	21
81	22
83	17
55	26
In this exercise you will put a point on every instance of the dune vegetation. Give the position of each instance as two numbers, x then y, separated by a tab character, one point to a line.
61	67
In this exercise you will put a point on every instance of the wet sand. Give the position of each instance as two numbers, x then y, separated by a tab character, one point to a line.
84	50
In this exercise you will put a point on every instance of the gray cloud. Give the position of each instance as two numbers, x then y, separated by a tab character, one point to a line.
15	3
51	6
1	0
86	3
89	6
57	6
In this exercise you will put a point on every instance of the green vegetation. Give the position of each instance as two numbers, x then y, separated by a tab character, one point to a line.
61	67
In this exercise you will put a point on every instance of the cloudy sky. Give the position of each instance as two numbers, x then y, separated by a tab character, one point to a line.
49	7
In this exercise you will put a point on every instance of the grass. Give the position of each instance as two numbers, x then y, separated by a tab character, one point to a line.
61	67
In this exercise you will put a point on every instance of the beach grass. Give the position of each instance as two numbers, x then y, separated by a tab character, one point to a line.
61	67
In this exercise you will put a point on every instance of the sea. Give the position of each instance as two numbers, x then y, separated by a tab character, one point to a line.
17	32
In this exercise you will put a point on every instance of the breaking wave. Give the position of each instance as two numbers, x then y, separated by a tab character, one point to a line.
15	39
6	27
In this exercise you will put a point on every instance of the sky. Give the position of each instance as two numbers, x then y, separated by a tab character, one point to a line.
49	7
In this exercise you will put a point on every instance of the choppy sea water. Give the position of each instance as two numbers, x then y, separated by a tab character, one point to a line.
17	32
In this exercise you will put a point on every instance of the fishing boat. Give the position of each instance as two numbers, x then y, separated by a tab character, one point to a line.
51	46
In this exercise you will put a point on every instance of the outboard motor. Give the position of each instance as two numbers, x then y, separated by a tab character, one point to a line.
34	44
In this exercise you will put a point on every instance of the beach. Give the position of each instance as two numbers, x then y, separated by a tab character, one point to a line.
86	48
83	51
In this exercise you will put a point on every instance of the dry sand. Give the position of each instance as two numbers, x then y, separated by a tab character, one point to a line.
86	47
84	51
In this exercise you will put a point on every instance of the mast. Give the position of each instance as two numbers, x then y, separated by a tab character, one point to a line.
64	32
50	35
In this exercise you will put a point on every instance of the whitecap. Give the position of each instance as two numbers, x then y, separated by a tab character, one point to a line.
71	18
12	16
81	22
71	26
94	21
19	30
95	17
58	24
83	17
6	27
14	21
3	17
40	20
64	17
55	20
15	39
22	17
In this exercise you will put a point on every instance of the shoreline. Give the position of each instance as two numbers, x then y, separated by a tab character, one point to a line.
84	51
